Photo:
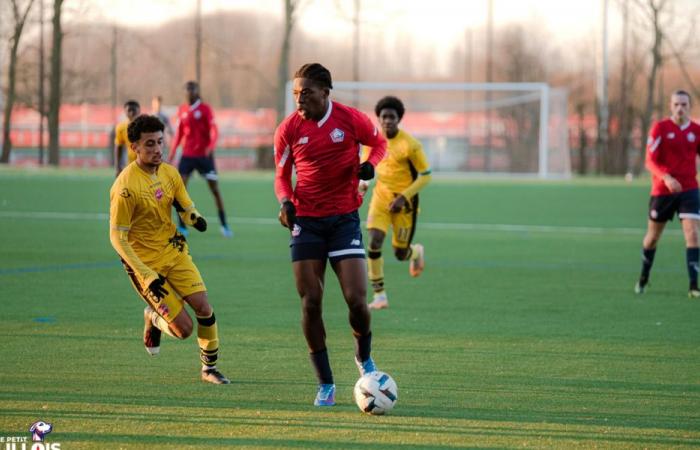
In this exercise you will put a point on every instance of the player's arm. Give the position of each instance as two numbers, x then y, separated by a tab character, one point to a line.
184	206
118	149
284	160
654	160
368	135
176	140
121	211
213	133
420	163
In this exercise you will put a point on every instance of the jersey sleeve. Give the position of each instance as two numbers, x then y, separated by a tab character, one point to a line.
213	129
654	160
120	135
121	210
183	202
419	161
284	160
368	135
178	136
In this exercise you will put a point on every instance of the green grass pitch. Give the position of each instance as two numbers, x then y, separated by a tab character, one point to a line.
522	332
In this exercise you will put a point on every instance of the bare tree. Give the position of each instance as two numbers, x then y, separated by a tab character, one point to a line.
291	13
19	16
55	85
653	11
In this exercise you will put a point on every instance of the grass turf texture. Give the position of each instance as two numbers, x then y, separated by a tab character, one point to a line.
522	331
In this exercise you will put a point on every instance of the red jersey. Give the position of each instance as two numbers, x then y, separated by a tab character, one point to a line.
197	127
326	156
672	149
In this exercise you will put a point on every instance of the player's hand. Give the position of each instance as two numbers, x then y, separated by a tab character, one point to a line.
366	171
156	287
398	204
199	223
363	187
288	214
671	183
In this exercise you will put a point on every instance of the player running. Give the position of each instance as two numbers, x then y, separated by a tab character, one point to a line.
197	131
672	149
321	140
156	257
400	176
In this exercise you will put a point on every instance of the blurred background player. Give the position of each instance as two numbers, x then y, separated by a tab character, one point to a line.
197	131
321	141
156	257
156	110
672	150
400	175
121	141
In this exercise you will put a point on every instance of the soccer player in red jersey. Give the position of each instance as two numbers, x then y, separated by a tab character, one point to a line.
322	140
672	149
197	131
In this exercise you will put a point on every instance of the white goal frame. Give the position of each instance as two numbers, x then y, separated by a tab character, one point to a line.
542	89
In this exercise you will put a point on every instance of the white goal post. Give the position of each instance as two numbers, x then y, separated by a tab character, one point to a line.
491	129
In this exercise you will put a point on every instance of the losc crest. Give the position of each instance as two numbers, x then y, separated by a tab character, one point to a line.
38	431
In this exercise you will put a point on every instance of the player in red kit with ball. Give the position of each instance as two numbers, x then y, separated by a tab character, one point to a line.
322	140
672	150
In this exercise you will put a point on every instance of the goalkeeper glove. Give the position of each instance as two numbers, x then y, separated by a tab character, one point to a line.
366	171
288	214
156	287
198	222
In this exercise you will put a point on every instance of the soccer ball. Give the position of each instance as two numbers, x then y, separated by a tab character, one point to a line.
375	393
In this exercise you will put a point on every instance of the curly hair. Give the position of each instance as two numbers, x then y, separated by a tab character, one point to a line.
143	124
390	102
132	104
316	73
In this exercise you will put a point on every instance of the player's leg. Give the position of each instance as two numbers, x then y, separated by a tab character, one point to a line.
661	210
378	221
309	275
187	281
209	173
689	213
347	257
404	228
309	252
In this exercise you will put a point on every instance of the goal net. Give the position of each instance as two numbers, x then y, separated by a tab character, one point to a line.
498	129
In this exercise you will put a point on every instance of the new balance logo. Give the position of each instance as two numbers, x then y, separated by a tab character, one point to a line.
303	140
355	242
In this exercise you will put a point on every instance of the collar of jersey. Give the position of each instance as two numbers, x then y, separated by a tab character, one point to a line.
194	105
327	115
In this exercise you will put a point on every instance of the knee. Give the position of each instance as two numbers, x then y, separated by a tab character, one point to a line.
311	304
182	331
401	253
375	243
357	298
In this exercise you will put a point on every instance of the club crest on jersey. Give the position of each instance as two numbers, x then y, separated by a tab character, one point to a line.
159	194
337	135
691	137
197	114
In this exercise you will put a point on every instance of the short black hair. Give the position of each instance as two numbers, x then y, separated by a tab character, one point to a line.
683	92
316	73
191	84
131	103
144	123
390	102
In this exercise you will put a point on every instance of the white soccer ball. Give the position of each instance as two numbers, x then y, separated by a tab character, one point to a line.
375	393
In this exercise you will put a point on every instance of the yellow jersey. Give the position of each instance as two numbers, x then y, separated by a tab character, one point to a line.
122	138
404	161
141	205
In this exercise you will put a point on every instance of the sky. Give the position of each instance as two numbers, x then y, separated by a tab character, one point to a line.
429	20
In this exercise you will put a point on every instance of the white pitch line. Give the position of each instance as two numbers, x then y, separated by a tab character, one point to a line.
510	228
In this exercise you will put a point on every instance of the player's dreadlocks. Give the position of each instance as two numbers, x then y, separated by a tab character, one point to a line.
143	124
316	73
391	103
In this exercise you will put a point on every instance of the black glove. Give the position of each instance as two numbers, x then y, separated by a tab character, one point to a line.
200	224
288	214
366	171
156	287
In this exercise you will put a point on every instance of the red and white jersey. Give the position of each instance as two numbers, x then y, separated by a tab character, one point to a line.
326	155
672	149
197	127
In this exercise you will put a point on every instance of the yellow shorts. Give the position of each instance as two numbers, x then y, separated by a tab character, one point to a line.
403	223
182	278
